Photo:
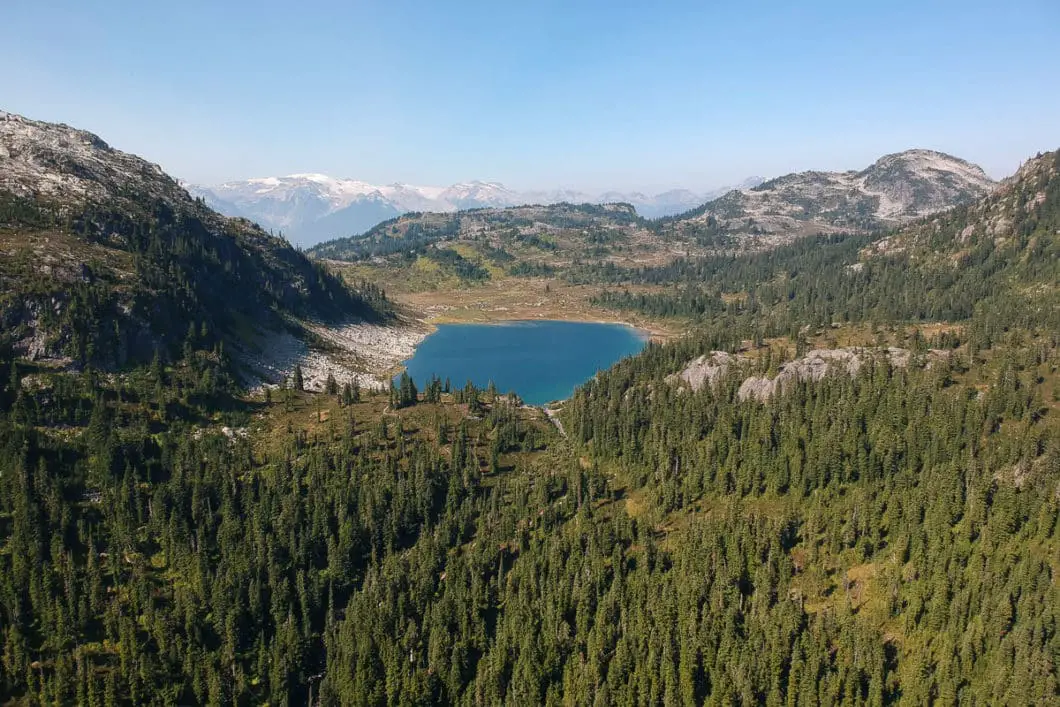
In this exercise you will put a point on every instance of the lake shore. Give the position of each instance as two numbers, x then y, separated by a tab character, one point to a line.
652	332
359	353
540	360
530	299
369	355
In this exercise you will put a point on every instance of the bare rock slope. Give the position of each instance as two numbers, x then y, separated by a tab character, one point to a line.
711	369
896	189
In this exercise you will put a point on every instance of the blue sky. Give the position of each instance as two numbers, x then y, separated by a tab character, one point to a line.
584	94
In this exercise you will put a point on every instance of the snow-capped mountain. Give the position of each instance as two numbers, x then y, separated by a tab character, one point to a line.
310	208
476	194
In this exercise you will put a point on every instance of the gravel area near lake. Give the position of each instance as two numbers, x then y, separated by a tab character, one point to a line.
365	354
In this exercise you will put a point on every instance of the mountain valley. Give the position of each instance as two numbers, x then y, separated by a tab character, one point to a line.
832	478
557	260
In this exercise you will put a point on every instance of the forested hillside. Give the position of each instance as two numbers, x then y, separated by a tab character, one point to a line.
438	251
107	261
518	247
996	262
843	487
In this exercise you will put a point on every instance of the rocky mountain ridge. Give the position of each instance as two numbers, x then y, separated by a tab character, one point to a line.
56	161
896	189
108	260
1023	203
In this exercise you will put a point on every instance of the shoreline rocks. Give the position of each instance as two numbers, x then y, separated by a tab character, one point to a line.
363	354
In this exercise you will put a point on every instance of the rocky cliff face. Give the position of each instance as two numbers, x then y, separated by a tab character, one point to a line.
710	369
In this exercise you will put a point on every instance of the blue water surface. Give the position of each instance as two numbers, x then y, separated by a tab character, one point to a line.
541	361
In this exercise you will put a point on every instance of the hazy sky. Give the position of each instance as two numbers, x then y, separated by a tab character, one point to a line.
622	94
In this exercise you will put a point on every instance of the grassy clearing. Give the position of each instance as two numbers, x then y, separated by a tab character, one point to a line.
525	298
319	418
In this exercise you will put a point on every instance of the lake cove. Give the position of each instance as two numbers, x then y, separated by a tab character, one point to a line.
541	361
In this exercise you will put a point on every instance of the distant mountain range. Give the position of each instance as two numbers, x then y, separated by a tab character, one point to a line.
313	208
310	208
896	189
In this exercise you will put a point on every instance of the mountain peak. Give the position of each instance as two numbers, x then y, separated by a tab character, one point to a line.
896	188
313	177
923	159
59	161
1024	203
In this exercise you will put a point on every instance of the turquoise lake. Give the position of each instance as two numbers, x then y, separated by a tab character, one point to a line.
540	360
